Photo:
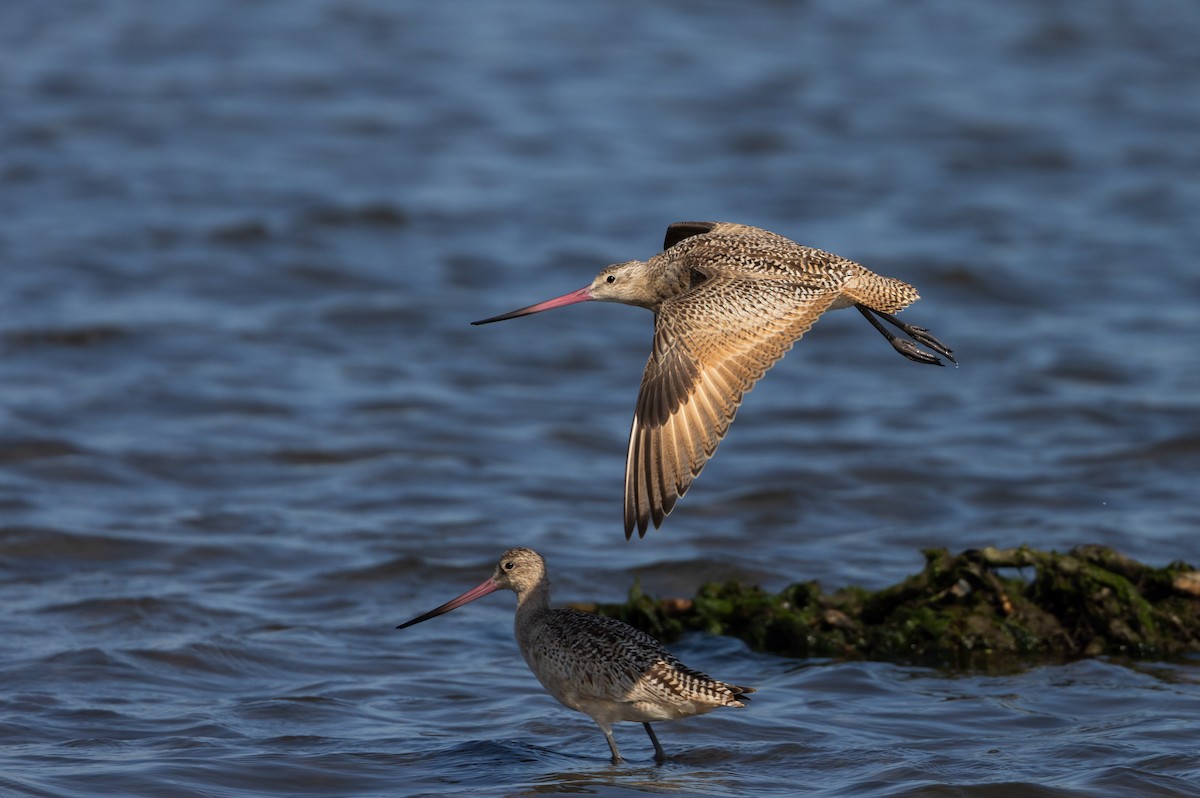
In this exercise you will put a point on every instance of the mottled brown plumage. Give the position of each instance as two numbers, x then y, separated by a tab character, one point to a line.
600	666
729	300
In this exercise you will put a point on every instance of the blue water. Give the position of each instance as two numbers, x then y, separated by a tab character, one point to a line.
247	428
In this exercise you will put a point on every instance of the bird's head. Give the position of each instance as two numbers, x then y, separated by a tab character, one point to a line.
623	282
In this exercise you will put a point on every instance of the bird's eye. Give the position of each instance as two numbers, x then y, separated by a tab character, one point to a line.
508	566
611	278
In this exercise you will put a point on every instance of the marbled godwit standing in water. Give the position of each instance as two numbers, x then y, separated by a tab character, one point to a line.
729	300
600	666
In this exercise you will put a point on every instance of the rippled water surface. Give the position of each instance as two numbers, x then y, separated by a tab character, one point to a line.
247	429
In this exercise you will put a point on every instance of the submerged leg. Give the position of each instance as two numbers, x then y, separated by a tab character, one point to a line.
907	348
659	756
612	745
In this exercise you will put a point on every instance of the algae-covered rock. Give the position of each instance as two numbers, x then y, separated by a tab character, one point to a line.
980	609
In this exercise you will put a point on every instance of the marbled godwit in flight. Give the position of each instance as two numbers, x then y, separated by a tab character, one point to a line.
600	666
729	300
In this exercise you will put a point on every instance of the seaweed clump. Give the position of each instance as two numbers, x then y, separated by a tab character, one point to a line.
977	609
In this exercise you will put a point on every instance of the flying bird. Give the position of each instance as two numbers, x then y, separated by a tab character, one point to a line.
599	666
729	300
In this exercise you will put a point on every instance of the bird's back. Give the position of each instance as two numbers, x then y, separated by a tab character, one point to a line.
749	253
612	671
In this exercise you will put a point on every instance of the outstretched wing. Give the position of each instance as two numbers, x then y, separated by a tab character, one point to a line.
711	345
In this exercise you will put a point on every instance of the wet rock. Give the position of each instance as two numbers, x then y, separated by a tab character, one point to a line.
989	608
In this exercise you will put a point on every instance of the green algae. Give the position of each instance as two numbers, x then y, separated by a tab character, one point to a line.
983	608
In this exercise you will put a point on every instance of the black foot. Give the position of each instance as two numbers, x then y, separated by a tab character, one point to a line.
922	336
914	352
907	348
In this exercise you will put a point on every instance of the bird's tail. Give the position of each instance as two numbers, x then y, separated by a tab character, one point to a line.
739	694
885	294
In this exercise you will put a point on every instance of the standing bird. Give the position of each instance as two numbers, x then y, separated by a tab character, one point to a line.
600	666
729	300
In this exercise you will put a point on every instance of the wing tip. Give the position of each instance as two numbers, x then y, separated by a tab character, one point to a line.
679	231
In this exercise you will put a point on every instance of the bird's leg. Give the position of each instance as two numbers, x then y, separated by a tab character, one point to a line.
612	746
907	348
659	755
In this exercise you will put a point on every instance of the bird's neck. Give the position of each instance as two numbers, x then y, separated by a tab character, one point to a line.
533	602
